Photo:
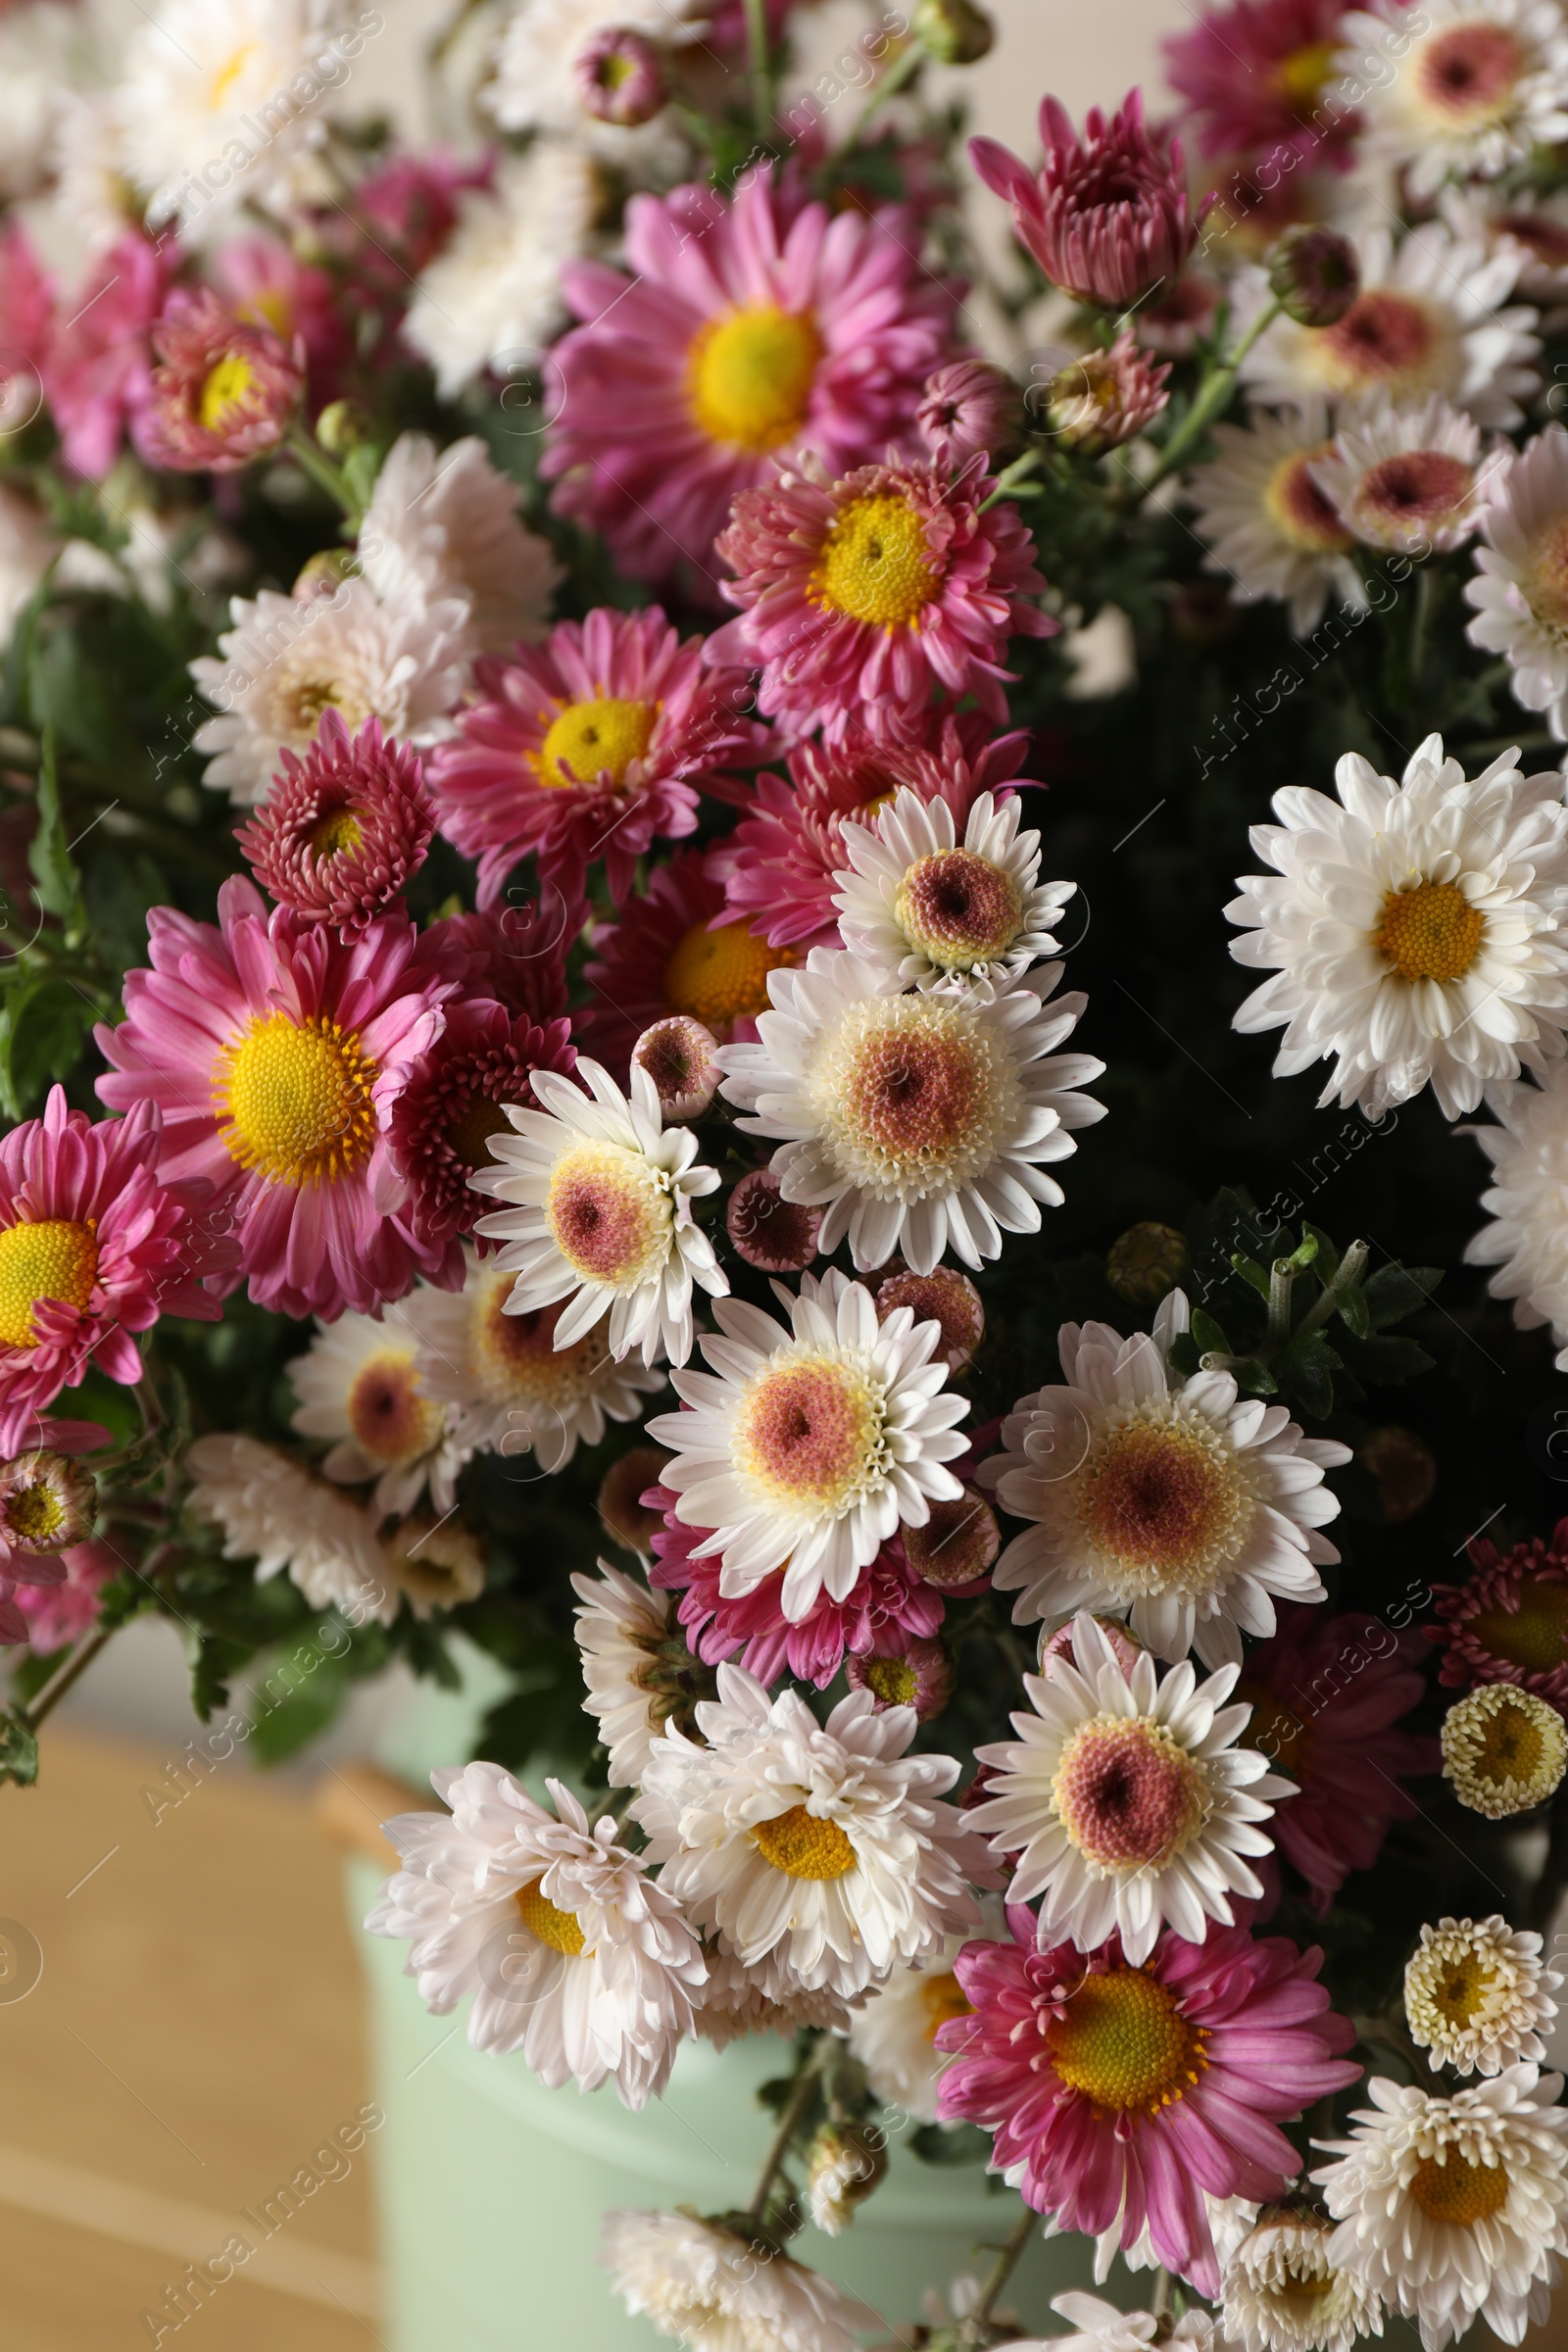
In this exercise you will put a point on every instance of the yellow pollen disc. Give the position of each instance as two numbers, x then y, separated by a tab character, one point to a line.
391	1418
309	695
591	739
893	1680
1300	76
1511	1746
228	388
340	829
228	73
542	1918
1534	1634
1459	2189
515	1357
51	1260
1121	2040
1546	581
803	1846
721	976
1299	511
875	564
1462	1990
1274	1730
293	1099
35	1513
749	374
470	1132
1429	933
941	1997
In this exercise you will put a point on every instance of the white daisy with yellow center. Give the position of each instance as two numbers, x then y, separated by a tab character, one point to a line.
1126	1799
894	2036
811	1444
933	911
1474	85
1411	929
918	1123
510	1389
1450	2208
1283	2293
1271	532
1177	1503
600	1199
1505	1749
573	1953
1478	1995
824	1849
360	1384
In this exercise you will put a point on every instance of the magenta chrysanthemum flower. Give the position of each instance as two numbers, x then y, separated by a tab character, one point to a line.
344	828
98	1238
57	1613
1508	1622
591	745
97	372
746	333
223	390
451	1104
1106	217
860	597
1254	77
1122	2095
904	1670
275	1054
1327	1696
675	950
885	1601
969	405
778	865
518	950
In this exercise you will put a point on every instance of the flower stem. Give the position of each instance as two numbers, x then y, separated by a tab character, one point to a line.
904	68
1346	1276
1010	478
794	2111
976	2330
758	68
1212	396
313	461
45	1702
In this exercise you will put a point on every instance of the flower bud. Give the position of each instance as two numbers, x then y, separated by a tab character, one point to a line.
681	1057
957	1545
1146	1262
1403	1468
620	77
626	1518
844	2165
955	32
775	1235
970	405
1102	398
944	1297
342	427
436	1562
918	1674
47	1503
1314	273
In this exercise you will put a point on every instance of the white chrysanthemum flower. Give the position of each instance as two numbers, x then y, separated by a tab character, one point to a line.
492	297
220	107
438	1563
1126	1799
712	2291
1505	1749
90	189
1477	1996
1270	530
444	524
930	911
1450	2208
1413	929
1428	318
1097	2326
826	1848
1475	86
1229	2220
1178	1502
1528	1202
600	1213
573	1954
1520	591
634	1663
1530	226
287	659
510	1388
535	85
44	49
1284	2294
738	2001
918	1123
359	1381
810	1446
1404	477
894	2036
272	1509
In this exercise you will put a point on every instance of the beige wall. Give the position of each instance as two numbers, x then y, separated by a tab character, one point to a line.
1087	52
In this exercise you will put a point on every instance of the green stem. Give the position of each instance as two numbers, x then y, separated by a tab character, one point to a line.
1212	396
795	2110
1010	478
758	69
315	462
1346	1275
904	69
976	2329
64	1677
1281	1282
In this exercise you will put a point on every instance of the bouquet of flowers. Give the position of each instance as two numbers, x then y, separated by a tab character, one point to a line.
556	1098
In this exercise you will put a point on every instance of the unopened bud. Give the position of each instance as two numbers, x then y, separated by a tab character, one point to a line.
955	32
342	427
844	2165
1314	273
620	77
957	1545
1146	1262
681	1057
627	1519
1403	1468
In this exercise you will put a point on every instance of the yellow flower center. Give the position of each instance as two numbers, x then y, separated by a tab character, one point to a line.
553	1925
590	739
1458	2188
391	1418
1461	1989
468	1136
1304	517
875	564
310	694
1429	933
749	375
35	1513
294	1101
808	1433
942	1998
1510	1745
228	73
893	1680
959	908
514	1357
1300	76
1163	1499
54	1258
721	976
1545	582
1121	2040
1533	1636
226	391
340	829
804	1846
912	1093
610	1216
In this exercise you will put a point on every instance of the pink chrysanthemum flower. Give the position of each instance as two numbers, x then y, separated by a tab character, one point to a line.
275	1053
1098	400
591	745
903	1671
1121	2094
970	405
98	370
518	951
886	1602
450	1105
57	1614
1255	76
745	334
223	392
674	951
1327	1696
1508	1622
268	284
98	1238
859	597
1106	217
344	828
778	864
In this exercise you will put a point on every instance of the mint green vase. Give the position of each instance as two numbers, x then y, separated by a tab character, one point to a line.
492	2189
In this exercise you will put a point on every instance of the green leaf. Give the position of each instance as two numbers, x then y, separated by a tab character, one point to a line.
1352	1311
1251	1271
1250	1372
46	1029
960	2143
1208	1334
49	851
19	1750
1327	1258
1184	1356
1390	1362
1307	1368
281	1725
1394	1292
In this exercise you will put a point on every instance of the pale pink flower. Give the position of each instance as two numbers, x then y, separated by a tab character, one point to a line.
223	393
1106	217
